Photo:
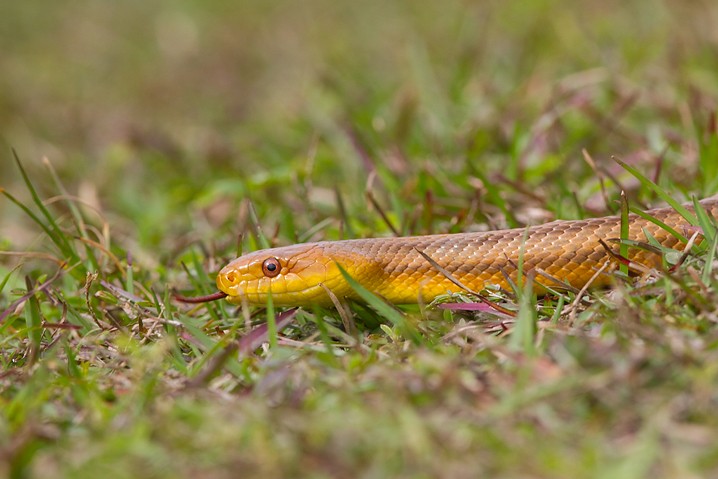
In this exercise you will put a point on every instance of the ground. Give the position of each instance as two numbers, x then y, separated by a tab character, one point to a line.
157	140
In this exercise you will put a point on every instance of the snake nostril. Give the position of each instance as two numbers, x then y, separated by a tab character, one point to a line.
231	278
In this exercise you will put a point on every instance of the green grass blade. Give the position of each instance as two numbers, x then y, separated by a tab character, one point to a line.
690	217
130	281
271	322
524	330
35	219
704	221
78	221
384	309
659	223
520	265
58	237
710	258
259	235
6	278
74	317
200	282
623	248
319	320
73	368
33	321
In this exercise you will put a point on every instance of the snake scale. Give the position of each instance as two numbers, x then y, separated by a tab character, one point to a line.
567	250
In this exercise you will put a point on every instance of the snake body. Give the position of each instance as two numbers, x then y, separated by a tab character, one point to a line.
568	252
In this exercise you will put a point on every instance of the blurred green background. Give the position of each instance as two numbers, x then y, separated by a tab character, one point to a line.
153	110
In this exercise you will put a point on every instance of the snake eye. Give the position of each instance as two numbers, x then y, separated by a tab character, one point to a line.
271	267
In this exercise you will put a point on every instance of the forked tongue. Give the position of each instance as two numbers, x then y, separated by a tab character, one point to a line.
200	299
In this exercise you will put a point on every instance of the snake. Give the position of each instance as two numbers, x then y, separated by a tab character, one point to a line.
412	269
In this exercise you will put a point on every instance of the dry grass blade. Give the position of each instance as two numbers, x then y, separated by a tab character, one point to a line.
686	252
36	255
343	311
582	292
461	285
563	284
623	260
599	174
370	196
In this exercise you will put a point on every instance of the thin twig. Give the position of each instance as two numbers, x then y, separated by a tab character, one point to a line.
461	285
574	305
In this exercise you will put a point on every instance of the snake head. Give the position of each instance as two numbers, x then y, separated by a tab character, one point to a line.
293	275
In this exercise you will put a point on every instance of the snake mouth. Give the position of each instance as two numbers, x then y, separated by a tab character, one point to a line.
235	293
231	283
227	282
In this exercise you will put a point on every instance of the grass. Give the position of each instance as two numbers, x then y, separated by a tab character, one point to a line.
159	140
